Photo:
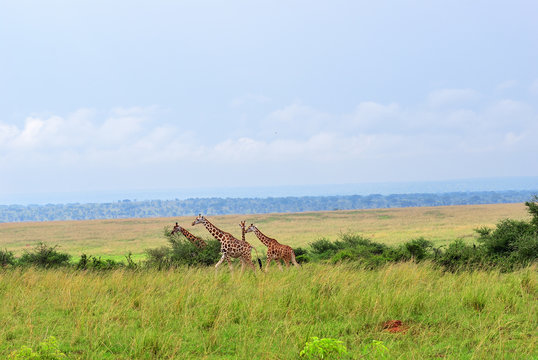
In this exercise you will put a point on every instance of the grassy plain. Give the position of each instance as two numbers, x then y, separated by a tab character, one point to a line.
115	238
197	314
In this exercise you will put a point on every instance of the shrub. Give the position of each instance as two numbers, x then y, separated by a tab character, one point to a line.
326	348
502	240
159	257
46	350
44	256
526	248
343	255
6	258
323	248
418	249
96	263
533	210
350	240
183	252
460	256
301	255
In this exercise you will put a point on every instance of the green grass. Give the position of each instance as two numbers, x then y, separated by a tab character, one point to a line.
197	314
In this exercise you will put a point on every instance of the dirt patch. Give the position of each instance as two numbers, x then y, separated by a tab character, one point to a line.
395	326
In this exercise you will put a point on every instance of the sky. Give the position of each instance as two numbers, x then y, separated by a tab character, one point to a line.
131	95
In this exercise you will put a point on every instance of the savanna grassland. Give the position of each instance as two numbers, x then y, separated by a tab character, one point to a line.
195	313
115	238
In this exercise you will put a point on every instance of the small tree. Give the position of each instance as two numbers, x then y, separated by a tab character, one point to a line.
44	256
6	258
533	210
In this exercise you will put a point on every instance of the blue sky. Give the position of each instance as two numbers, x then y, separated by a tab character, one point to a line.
123	95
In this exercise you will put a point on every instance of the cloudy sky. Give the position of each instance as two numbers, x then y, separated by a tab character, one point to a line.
122	95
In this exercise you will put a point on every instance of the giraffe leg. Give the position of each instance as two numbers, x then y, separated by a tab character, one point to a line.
229	264
279	264
252	265
269	259
294	262
221	260
248	260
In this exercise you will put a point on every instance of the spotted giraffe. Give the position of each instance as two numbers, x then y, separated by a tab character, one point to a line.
275	250
243	230
200	244
230	247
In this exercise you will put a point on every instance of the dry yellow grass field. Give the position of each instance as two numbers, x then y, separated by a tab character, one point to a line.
390	226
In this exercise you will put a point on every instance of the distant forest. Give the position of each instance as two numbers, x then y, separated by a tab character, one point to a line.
220	206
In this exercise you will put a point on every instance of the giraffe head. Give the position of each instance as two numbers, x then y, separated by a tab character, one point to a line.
176	229
199	220
242	226
251	228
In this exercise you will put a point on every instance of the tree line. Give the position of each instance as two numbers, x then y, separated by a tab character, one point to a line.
222	206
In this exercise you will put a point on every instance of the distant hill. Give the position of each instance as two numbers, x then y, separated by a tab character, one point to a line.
221	206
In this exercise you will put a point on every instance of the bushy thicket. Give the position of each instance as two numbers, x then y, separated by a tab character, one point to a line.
367	253
44	256
6	258
511	244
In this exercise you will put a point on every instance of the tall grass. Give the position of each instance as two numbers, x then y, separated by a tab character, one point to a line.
197	313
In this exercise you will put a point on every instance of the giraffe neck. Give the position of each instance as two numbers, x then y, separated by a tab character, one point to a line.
264	239
213	230
188	235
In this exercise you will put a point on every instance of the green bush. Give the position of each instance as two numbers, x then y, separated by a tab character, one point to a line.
461	256
46	350
419	249
533	210
325	348
301	255
502	240
159	257
96	263
323	248
350	241
343	255
44	256
6	258
526	248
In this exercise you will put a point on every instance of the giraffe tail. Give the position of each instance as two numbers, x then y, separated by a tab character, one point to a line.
258	257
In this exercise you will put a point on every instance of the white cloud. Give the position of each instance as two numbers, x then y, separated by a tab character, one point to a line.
370	116
131	147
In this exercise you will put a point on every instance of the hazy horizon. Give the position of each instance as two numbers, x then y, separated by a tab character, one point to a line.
388	188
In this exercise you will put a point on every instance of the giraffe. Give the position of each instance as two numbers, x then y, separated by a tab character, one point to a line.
275	250
230	247
243	230
200	244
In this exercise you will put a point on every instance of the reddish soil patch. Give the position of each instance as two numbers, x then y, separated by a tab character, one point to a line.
395	326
